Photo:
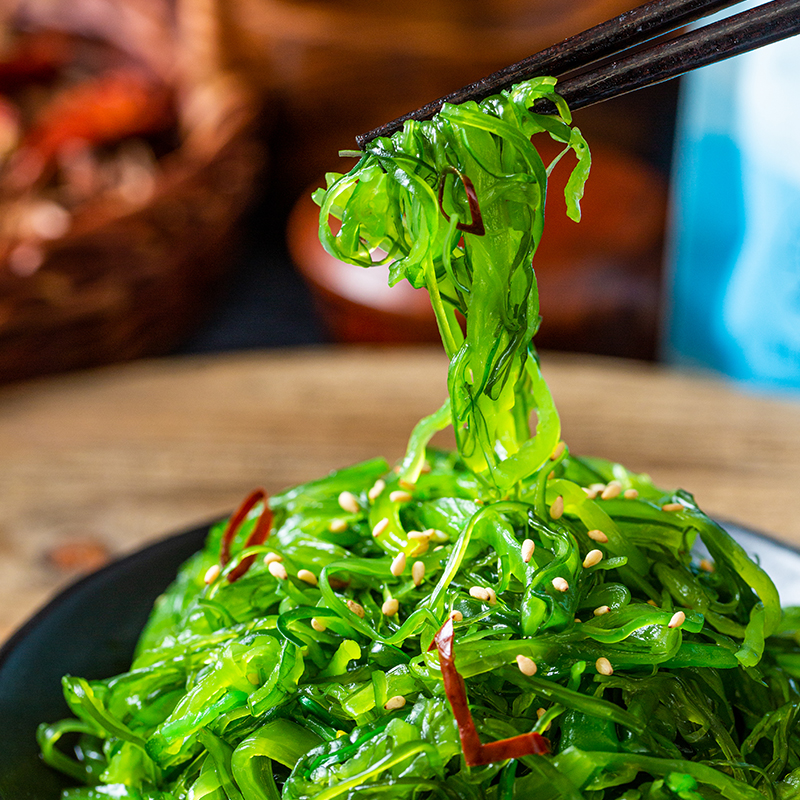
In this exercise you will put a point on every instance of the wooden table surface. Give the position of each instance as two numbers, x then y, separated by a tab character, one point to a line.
94	465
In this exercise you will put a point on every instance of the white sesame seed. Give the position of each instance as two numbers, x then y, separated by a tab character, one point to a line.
557	509
308	576
212	573
597	487
672	507
479	593
390	606
398	564
419	535
706	565
393	703
597	536
558	450
492	595
456	616
380	527
611	491
437	535
318	625
357	609
593	557
420	547
603	666
400	496
559	584
417	572
337	526
600	610
678	618
270	557
590	493
527	666
348	502
375	492
277	570
630	494
528	546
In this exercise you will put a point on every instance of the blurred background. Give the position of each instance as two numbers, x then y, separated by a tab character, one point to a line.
157	159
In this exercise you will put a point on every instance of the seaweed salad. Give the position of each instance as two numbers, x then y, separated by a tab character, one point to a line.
509	620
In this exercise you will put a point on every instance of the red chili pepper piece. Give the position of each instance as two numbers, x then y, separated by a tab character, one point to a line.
476	226
258	536
475	753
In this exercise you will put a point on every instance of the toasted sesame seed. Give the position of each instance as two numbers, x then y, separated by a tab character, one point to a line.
380	527
270	557
417	572
252	677
577	620
479	593
678	618
611	491
557	509
706	565
672	507
420	547
390	606
528	546
308	576
375	492
338	526
551	475
318	625
597	536
560	584
597	487
393	703
419	535
593	557
438	547
527	666
652	603
357	609
600	610
426	467
540	712
590	493
456	616
558	450
603	666
492	595
437	535
348	502
630	494
400	496
277	570
212	573
398	564
407	485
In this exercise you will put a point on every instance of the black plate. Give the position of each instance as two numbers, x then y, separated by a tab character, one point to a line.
91	628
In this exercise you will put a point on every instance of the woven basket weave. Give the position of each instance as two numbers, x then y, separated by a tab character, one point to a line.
124	284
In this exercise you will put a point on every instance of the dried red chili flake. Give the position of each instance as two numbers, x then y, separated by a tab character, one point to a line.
258	536
475	753
476	226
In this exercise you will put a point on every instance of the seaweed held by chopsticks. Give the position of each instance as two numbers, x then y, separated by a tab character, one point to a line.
507	621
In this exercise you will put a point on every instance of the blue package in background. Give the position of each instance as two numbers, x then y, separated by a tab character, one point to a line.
733	267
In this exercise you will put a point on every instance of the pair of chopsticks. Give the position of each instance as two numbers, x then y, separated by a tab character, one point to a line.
607	60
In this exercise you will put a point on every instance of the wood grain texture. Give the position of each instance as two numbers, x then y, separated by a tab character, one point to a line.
121	456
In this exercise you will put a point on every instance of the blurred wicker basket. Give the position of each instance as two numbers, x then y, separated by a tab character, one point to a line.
125	282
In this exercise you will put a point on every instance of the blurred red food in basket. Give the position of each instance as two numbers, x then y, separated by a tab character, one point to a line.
127	155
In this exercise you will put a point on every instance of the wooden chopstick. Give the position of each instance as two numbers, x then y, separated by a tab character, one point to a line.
729	37
628	30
